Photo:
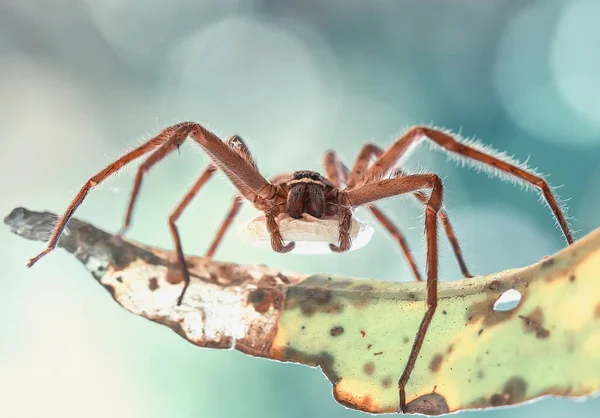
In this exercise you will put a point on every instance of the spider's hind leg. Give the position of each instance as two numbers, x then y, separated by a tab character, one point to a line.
470	152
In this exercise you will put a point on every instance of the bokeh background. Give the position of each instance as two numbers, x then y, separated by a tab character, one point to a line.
82	81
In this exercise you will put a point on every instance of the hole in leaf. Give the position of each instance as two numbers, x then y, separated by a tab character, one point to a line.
508	301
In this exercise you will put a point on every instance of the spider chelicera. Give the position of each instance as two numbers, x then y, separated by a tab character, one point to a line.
335	195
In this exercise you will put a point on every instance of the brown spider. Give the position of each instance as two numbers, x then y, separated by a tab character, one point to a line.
336	195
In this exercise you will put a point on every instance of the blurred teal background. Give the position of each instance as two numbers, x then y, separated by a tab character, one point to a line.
82	81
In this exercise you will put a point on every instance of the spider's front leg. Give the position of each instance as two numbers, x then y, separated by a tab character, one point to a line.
382	189
167	140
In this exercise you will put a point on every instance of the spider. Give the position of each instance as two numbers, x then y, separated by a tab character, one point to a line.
336	195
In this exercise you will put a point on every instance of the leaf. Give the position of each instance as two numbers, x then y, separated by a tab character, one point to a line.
360	331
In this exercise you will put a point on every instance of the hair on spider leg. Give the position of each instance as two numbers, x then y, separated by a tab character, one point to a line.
49	227
479	166
562	204
508	176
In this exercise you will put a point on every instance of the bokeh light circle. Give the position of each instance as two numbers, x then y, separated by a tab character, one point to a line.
525	84
262	76
139	32
576	70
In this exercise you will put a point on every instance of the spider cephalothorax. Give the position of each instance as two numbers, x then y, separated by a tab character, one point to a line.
336	195
306	194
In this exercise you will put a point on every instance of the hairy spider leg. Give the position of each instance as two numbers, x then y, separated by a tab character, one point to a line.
103	174
233	211
382	189
170	145
444	218
189	196
469	152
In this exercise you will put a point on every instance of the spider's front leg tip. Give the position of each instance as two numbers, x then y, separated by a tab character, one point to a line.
35	259
402	409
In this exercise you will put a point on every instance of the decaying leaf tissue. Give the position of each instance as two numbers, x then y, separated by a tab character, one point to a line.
359	331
